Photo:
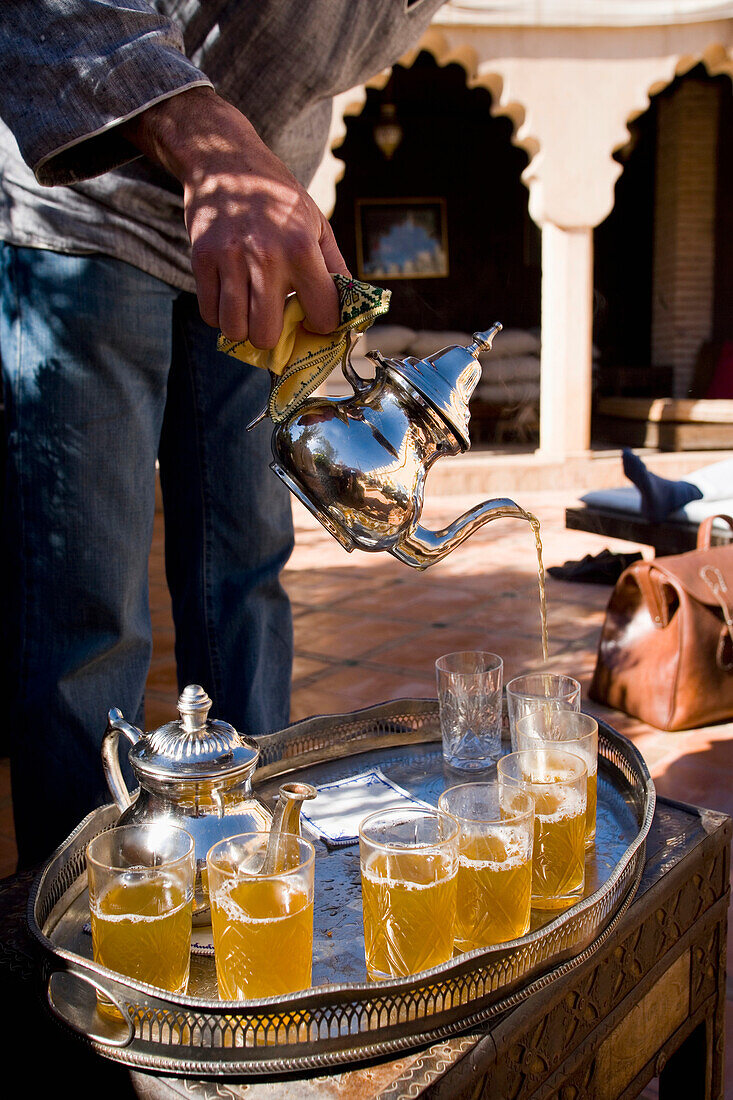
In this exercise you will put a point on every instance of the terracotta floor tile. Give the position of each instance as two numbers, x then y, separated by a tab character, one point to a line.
377	685
323	588
162	675
7	827
4	779
313	699
304	668
160	706
703	778
513	614
419	651
338	636
8	856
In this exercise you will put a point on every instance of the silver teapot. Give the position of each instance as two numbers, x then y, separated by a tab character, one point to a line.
359	463
193	772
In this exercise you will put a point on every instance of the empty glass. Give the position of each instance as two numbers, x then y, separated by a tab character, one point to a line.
579	735
495	864
557	781
469	696
547	691
409	863
141	902
262	923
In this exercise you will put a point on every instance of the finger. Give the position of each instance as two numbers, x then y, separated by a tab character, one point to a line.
234	319
315	288
319	298
331	253
266	307
208	290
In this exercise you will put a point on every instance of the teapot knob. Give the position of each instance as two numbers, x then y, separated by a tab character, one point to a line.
193	706
484	340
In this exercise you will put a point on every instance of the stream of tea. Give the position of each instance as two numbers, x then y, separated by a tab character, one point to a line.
514	511
535	525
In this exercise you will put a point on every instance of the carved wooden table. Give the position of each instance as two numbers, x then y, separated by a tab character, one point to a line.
651	1002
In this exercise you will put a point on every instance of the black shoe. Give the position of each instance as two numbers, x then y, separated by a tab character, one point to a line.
603	568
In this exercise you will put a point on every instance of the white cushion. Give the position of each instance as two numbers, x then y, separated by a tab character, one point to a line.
389	339
426	341
504	393
514	341
628	499
519	368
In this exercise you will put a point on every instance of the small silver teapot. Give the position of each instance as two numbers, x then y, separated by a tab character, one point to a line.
359	463
193	772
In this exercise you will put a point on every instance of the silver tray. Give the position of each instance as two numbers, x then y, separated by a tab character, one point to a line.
342	1018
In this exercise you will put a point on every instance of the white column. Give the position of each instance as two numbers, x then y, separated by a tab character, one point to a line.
567	339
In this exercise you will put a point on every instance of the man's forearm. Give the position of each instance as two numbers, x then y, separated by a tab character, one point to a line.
186	131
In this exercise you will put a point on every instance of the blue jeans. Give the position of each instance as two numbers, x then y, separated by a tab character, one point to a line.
106	369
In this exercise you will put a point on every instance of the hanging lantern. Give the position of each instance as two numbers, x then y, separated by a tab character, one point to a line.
387	131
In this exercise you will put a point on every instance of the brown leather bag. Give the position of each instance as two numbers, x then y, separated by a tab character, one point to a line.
666	649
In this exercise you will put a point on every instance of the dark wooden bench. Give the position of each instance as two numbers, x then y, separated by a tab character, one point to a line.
670	537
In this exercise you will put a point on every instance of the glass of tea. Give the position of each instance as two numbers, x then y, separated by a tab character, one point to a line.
494	885
557	780
262	923
409	866
545	691
578	734
469	696
141	901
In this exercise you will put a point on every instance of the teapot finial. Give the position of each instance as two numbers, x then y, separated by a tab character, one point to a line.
484	340
193	706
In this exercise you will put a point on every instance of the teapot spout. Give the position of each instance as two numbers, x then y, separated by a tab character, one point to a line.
286	819
420	547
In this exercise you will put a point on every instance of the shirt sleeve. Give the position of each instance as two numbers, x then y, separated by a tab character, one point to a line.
73	70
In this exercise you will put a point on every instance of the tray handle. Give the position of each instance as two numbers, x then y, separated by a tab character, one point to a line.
116	725
79	1012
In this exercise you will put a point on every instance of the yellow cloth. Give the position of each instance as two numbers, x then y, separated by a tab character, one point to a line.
302	359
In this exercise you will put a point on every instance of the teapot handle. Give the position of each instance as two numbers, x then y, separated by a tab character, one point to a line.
358	384
116	725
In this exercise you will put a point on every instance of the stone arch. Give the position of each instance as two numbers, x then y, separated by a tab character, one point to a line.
351	102
455	151
718	61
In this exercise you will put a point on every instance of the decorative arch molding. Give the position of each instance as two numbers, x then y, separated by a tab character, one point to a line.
572	170
351	103
718	61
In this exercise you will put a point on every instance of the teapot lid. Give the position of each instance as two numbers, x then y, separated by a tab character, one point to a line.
194	746
447	378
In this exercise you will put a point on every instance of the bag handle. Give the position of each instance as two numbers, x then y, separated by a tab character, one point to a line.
705	530
652	594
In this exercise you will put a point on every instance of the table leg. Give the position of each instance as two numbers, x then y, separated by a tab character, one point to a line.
686	1075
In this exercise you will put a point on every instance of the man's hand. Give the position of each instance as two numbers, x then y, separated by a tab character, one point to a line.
255	232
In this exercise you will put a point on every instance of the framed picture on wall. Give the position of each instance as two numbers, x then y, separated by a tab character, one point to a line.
401	239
